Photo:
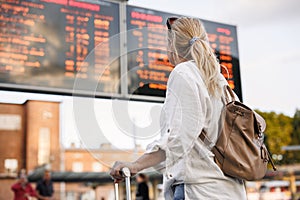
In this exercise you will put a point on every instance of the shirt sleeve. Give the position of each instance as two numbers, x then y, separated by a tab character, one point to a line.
183	115
15	186
32	192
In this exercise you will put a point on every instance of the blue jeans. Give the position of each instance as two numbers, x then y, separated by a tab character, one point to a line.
179	192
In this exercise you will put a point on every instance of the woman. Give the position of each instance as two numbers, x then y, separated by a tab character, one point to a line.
193	103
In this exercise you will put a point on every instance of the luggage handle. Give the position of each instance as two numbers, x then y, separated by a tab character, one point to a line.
116	191
125	172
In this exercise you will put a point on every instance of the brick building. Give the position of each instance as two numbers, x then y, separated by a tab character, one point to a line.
12	137
29	138
29	135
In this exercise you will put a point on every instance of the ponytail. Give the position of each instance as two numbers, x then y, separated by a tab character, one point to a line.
190	42
208	65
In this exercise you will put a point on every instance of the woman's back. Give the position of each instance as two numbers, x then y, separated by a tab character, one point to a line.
187	110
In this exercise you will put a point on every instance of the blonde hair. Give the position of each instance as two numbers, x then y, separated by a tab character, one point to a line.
182	48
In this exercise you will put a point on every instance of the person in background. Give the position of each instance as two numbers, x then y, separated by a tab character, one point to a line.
44	187
22	189
142	192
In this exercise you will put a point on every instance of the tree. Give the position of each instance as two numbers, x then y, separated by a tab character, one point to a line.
296	128
278	131
294	156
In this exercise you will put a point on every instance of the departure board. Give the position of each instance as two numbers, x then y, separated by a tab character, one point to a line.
46	45
62	46
148	66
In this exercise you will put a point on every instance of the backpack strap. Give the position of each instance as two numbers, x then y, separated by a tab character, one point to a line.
229	97
226	99
265	154
205	139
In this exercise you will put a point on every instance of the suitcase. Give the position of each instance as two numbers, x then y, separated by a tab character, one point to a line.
126	174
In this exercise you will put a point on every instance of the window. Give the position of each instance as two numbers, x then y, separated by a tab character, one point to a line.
10	122
44	146
77	167
11	165
97	167
70	196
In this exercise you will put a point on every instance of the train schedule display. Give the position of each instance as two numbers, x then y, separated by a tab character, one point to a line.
148	66
46	45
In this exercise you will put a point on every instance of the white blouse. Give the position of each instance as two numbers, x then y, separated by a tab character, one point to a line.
188	109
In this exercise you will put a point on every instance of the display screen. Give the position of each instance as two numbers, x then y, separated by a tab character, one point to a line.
62	46
148	66
50	44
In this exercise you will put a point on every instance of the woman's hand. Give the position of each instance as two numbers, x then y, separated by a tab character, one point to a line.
115	171
145	161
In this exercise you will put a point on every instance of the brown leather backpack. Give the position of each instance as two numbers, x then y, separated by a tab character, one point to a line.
239	150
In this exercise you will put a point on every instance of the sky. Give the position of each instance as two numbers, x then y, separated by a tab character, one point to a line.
269	51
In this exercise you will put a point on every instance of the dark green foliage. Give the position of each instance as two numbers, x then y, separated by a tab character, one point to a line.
282	131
